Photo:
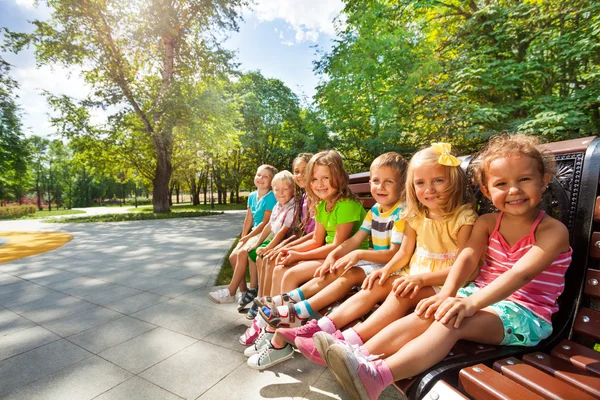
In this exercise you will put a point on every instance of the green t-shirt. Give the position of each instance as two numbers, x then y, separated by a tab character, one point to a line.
343	212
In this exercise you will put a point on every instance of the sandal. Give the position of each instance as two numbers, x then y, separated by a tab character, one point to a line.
247	298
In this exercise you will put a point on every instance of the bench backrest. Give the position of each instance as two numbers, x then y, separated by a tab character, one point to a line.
571	198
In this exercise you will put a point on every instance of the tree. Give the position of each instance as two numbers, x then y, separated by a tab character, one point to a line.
405	73
143	57
13	150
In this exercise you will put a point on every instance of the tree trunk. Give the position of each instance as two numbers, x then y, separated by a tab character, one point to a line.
160	199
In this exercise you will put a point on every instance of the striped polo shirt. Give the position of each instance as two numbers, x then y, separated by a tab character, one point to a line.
385	228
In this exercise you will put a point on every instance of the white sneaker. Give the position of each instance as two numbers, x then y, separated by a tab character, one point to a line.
221	296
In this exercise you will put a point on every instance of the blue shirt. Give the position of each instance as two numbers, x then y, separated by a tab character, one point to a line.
258	207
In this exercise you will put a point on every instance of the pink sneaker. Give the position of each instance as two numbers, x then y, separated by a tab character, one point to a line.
250	335
307	331
362	377
308	348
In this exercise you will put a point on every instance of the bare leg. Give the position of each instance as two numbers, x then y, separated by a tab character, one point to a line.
360	304
278	273
265	284
393	308
260	272
253	274
433	345
300	273
238	279
336	289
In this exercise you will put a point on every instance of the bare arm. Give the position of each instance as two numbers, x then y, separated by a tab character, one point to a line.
465	265
399	260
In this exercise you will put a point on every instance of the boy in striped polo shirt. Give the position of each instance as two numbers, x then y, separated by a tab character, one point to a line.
344	268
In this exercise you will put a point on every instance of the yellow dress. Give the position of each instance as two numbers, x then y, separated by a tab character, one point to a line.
437	240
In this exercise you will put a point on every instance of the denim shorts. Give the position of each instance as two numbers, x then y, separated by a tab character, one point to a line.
521	326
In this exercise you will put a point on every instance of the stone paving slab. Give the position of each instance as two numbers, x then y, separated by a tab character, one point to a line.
121	312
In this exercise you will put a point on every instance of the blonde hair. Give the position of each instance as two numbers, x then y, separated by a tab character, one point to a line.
505	145
272	170
339	176
456	194
284	176
397	162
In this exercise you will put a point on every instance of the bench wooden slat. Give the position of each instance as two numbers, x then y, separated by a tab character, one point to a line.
587	322
468	347
594	243
481	382
538	382
443	391
580	356
592	283
566	372
360	188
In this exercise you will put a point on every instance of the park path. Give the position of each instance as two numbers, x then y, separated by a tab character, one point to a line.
121	312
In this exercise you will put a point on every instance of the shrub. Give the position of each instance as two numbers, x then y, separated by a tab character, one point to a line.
17	210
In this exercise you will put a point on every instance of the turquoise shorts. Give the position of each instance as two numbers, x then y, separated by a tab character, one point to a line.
521	326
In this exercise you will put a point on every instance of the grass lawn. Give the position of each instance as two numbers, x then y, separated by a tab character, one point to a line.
132	217
42	214
190	207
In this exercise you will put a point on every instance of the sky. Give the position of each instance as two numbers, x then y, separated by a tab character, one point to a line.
277	37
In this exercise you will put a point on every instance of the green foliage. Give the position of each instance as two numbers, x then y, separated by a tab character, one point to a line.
16	210
13	150
132	217
408	72
147	59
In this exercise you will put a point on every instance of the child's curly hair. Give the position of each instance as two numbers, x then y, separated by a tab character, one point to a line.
505	145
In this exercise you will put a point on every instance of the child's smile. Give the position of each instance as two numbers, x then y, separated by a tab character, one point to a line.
321	183
385	186
515	184
430	183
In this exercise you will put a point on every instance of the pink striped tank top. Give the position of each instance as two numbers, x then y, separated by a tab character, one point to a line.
539	296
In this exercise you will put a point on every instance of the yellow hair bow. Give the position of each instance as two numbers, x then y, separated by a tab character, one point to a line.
446	158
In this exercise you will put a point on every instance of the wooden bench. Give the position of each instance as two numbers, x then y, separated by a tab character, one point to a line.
566	357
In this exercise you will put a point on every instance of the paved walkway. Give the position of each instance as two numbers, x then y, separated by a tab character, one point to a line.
121	312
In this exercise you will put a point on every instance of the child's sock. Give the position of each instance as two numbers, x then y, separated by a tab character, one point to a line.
275	345
352	337
327	325
296	295
303	309
270	329
386	373
260	322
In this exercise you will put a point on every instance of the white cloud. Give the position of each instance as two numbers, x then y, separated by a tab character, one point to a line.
39	11
308	18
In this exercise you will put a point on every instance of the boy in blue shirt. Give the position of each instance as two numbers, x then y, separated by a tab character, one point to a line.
260	205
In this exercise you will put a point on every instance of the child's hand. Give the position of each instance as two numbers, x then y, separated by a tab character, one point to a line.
406	284
429	305
260	251
459	307
290	257
280	256
380	276
325	268
244	239
346	262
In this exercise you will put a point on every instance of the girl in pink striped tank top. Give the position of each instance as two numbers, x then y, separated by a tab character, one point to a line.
526	254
